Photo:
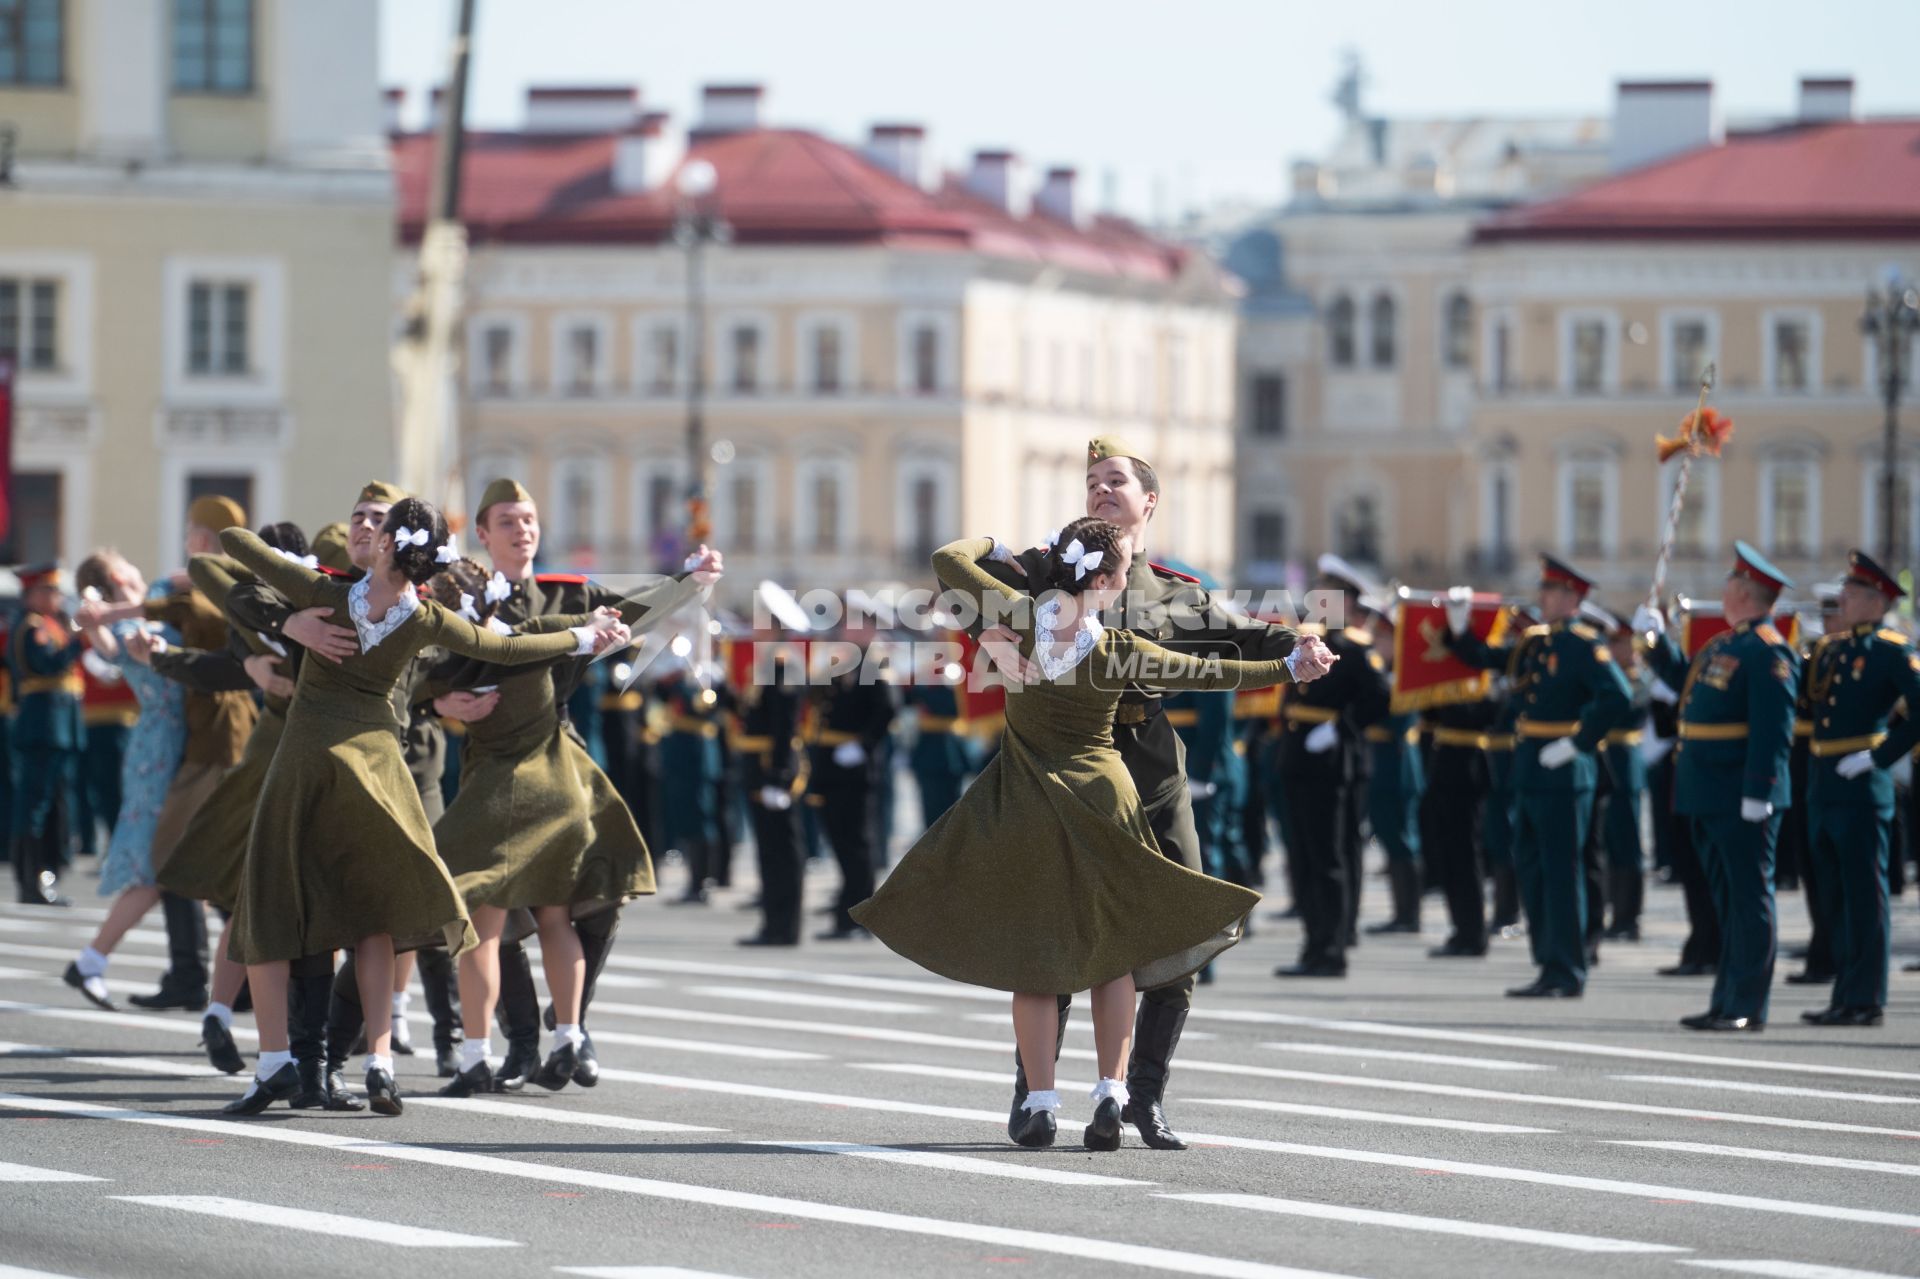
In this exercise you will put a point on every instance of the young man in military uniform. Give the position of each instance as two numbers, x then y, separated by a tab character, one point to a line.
43	660
1736	730
1627	778
1174	610
1817	968
848	716
1857	674
1574	696
774	771
1396	791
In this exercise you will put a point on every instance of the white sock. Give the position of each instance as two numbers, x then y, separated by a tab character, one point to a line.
377	1062
1114	1088
222	1013
91	963
400	1002
473	1052
269	1063
1047	1099
564	1033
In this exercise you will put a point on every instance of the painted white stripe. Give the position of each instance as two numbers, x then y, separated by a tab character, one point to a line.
63	956
957	1163
24	974
750	1051
615	981
631	1272
1419	1163
139	1065
800	999
1778	1157
66	926
1771	1090
1084	1026
872	1034
1429	1225
924	988
1425	1059
12	911
101	1017
27	1172
541	1114
1789	1270
318	1223
17	1272
1080	1246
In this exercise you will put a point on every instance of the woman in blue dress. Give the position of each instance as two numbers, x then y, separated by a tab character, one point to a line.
153	753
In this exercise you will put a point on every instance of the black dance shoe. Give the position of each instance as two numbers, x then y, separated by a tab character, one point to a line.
1036	1130
586	1073
557	1073
382	1093
338	1098
282	1085
474	1080
1103	1132
164	1000
220	1046
93	989
522	1060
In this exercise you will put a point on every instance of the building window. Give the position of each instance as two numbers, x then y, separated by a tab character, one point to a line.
1457	332
1269	405
1695	536
1791	355
1589	356
213	46
746	359
37	513
236	487
30	323
1356	533
923	502
1340	345
218	329
32	42
662	359
579	493
496	359
663	505
1500	356
582	359
1268	535
1789	510
826	511
1380	325
1588	497
743	491
1689	350
926	361
826	359
1906	518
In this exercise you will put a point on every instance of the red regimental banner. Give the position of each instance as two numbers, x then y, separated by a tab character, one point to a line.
1426	674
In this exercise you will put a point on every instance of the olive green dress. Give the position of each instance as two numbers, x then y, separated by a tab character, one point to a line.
1045	878
536	822
340	847
213	849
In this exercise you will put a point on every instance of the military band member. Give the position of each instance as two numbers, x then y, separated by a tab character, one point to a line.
1856	676
1816	893
1574	696
1627	776
1454	812
1394	795
848	715
690	726
1736	731
43	659
774	764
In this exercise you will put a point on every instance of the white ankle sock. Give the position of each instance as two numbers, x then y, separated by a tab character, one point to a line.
563	1033
91	963
1045	1100
221	1012
377	1062
269	1063
1114	1088
400	1003
473	1052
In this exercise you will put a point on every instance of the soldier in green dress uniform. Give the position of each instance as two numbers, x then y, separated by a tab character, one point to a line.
1394	793
847	719
1574	697
43	659
1857	674
1730	776
1796	848
774	773
1627	779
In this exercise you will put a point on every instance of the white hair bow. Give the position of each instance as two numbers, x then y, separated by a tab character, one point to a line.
498	587
309	561
1081	558
404	536
449	551
1048	539
466	607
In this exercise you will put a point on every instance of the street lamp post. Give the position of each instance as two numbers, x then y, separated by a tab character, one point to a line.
1891	320
697	225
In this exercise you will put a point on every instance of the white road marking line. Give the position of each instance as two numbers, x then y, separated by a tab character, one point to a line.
1425	1059
27	1172
800	999
958	1163
618	981
139	1065
1430	1225
146	936
24	974
1771	1090
101	1017
1084	1026
1777	1156
1419	1163
578	1118
750	1051
1080	1246
319	1223
874	1034
61	955
1789	1270
17	1272
928	989
631	1272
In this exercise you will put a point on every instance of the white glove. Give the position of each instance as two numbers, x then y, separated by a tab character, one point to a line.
1755	810
849	754
1558	753
1654	749
1854	764
1459	608
1647	621
1198	791
1663	692
1902	771
776	799
1323	738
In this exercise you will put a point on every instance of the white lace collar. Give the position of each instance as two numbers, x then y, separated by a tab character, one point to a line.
1086	634
371	633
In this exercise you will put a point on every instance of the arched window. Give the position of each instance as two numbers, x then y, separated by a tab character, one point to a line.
1356	533
1340	343
1458	348
1381	321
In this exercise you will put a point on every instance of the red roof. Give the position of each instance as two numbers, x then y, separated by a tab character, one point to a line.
776	186
1844	180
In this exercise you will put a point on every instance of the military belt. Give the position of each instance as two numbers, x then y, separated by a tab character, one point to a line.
1498	741
68	683
688	724
1136	712
1380	734
1464	737
1824	747
1546	728
627	701
938	723
750	742
1624	737
1712	732
831	737
1186	717
1803	728
1309	714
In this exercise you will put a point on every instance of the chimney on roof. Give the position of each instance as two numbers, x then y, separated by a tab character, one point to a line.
900	149
581	108
729	108
1826	98
1057	199
643	155
995	178
434	102
394	101
1654	119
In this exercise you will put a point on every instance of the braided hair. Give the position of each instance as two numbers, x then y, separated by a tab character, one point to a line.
419	563
463	578
1056	574
284	536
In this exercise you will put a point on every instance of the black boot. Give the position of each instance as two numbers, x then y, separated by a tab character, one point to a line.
307	996
313	1084
1017	1118
437	979
1626	889
1403	879
36	872
344	1021
557	1073
696	890
523	1059
1156	1033
1506	898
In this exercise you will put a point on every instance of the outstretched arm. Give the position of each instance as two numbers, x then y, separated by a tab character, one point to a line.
456	634
300	584
216	576
1126	658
